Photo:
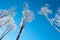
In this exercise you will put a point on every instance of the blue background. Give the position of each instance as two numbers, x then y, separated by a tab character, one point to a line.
39	28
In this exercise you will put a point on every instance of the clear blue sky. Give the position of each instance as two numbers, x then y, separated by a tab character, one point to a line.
39	28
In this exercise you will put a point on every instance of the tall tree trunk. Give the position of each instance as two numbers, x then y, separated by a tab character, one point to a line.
20	31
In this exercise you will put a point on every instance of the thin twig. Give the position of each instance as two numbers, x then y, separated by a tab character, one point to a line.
5	33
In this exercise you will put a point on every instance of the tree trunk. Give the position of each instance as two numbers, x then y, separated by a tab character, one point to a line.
20	31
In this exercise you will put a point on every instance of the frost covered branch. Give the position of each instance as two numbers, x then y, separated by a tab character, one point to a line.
55	22
27	17
6	21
